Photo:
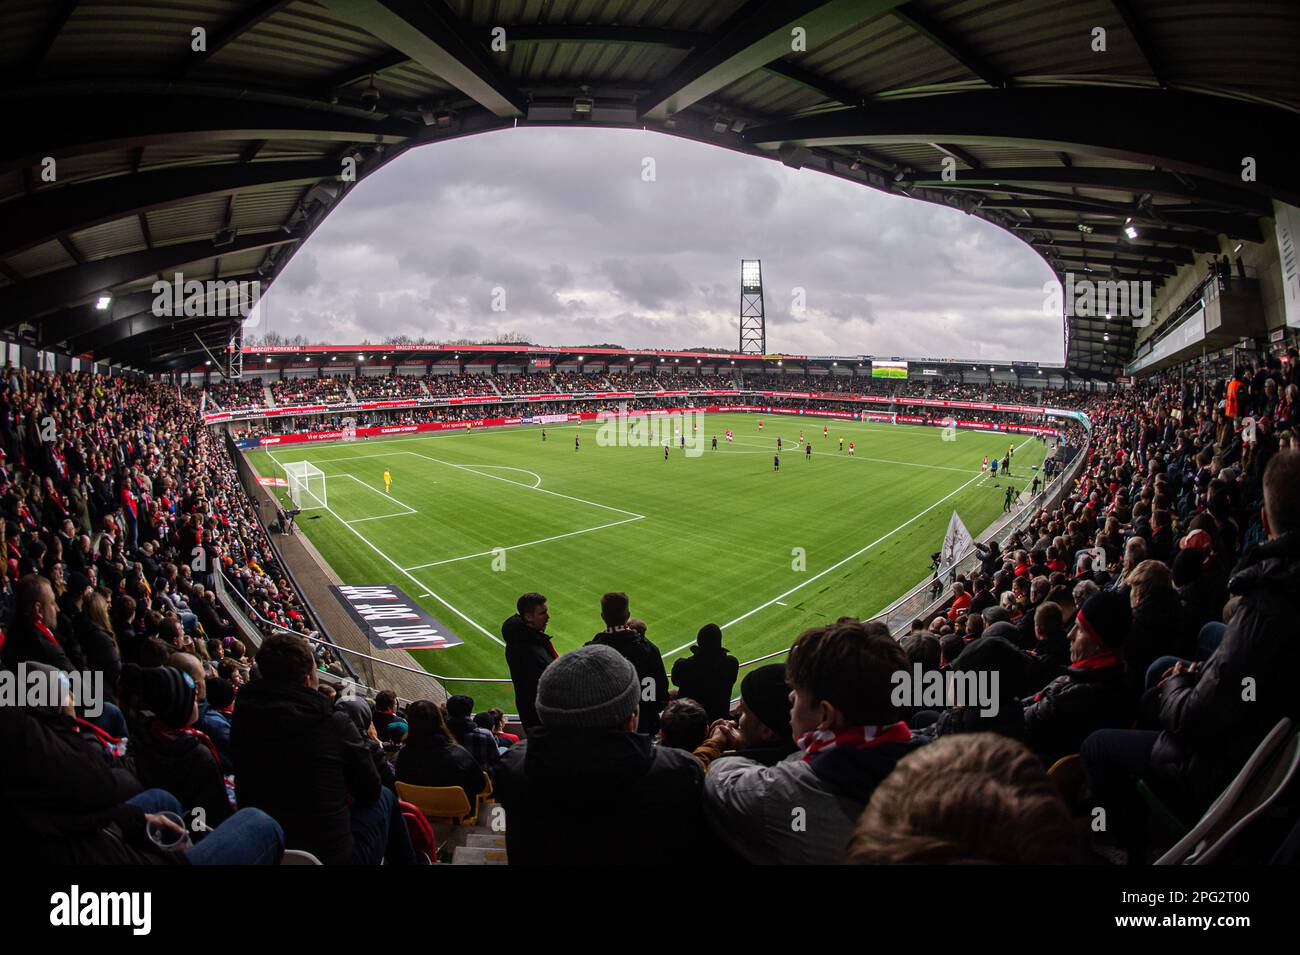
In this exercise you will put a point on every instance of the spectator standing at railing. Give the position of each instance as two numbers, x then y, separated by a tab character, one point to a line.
640	652
708	674
529	652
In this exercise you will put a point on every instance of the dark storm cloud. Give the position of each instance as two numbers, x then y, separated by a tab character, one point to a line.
563	228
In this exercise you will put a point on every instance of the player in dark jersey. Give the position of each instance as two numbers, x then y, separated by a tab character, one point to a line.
807	451
575	442
715	442
776	462
543	434
665	452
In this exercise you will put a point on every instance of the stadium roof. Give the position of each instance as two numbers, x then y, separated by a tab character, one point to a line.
220	161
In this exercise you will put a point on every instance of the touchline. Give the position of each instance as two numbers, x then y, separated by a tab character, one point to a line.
76	908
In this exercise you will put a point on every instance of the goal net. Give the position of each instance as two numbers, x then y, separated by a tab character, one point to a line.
306	485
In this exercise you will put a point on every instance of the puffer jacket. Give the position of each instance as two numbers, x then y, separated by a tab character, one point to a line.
1213	720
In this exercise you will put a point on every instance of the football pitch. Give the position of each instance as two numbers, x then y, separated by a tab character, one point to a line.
476	519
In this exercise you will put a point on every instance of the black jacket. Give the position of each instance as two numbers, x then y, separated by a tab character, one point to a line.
299	760
528	653
60	805
100	649
649	664
707	676
185	764
1209	730
600	798
1157	631
1060	717
23	642
440	762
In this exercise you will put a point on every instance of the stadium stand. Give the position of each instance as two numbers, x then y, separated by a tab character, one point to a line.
1105	613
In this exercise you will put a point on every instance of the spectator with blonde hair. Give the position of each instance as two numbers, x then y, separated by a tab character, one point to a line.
970	799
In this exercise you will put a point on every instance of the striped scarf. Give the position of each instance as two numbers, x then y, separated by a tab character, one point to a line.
854	737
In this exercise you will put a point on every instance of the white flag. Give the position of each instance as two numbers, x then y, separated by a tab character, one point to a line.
955	543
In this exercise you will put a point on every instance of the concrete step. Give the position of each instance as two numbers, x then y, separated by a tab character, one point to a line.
480	840
478	855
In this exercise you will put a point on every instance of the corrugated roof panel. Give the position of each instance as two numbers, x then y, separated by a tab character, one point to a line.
191	220
46	257
111	238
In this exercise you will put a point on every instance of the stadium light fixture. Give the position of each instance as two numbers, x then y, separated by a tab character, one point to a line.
697	361
103	302
677	361
733	361
721	124
1237	249
268	361
582	105
208	362
1130	230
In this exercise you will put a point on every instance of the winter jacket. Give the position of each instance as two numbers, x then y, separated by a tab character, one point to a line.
1073	705
528	653
707	676
183	762
601	797
61	806
649	663
1214	719
1157	631
440	762
300	761
753	808
25	642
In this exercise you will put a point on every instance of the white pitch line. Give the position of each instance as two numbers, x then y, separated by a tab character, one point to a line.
859	457
840	563
384	495
398	567
502	467
539	490
585	530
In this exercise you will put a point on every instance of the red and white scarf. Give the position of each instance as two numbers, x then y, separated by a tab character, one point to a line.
854	737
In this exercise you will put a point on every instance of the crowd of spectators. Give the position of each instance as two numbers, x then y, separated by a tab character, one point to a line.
238	394
322	390
378	387
1144	624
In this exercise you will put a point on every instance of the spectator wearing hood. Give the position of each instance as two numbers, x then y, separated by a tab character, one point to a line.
587	788
708	674
994	654
358	711
1093	693
529	651
641	653
480	743
849	735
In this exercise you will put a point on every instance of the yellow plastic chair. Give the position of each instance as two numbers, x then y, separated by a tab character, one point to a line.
486	794
446	804
1067	773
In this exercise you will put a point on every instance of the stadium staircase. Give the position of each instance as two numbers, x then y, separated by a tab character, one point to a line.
424	386
352	398
267	396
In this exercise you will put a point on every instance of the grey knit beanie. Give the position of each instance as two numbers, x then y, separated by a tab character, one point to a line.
592	688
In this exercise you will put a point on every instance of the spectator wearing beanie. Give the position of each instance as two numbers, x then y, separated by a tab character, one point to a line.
1092	694
993	652
587	788
480	743
161	705
765	734
849	736
708	674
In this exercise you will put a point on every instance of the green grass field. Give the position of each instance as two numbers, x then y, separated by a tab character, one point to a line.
692	540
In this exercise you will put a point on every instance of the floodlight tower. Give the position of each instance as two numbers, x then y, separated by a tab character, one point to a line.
753	324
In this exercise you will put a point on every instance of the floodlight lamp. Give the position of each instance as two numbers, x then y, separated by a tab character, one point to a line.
103	302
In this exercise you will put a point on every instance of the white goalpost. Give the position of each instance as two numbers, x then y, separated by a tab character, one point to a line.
306	485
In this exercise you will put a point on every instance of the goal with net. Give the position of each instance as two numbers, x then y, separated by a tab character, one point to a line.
306	485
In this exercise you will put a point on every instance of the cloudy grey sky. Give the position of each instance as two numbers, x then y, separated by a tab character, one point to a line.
588	252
